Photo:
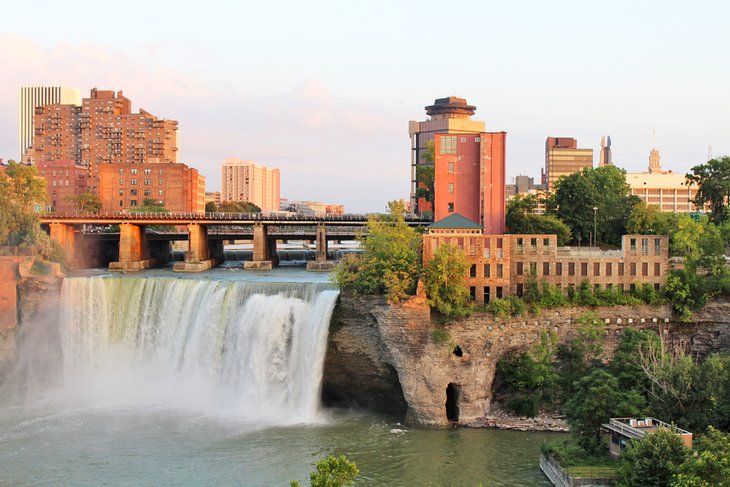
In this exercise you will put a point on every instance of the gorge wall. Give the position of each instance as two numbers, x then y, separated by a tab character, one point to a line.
382	357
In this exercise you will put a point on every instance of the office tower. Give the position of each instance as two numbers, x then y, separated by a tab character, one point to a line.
447	115
245	181
470	178
31	97
562	158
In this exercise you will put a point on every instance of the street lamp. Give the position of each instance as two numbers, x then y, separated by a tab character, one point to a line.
595	225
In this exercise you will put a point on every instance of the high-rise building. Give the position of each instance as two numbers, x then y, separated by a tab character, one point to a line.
605	156
562	158
245	181
31	97
469	178
102	130
447	115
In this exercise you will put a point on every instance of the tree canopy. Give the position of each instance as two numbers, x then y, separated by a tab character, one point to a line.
85	202
603	188
521	218
713	186
236	207
445	281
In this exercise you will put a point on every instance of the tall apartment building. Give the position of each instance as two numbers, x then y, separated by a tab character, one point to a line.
102	130
469	178
245	181
125	186
447	116
30	97
562	158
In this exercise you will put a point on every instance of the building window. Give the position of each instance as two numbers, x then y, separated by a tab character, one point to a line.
487	271
161	183
657	246
596	268
519	270
486	295
121	192
450	206
159	192
451	168
132	202
473	292
499	270
546	268
473	270
451	187
499	292
147	182
147	192
620	269
644	268
533	268
645	246
147	172
133	171
546	242
632	269
584	268
520	289
133	182
133	192
447	144
121	203
571	268
121	172
121	181
558	268
609	269
657	268
160	172
632	245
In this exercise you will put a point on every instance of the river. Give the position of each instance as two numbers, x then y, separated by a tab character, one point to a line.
213	380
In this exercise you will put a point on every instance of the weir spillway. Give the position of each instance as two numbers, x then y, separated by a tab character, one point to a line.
249	350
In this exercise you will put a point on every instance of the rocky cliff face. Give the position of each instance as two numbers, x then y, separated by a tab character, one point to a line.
383	357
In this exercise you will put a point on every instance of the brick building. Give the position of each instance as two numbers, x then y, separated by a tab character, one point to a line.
177	187
102	130
469	178
500	264
64	179
446	116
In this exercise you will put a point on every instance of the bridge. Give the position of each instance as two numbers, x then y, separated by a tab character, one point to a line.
139	248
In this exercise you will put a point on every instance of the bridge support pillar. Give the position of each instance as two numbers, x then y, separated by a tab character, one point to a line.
197	258
134	251
262	252
321	264
65	236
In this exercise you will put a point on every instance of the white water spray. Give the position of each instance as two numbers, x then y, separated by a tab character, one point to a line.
247	350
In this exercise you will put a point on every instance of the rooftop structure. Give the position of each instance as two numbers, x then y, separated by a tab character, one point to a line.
623	430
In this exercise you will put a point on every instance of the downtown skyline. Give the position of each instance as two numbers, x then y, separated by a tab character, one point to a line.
328	100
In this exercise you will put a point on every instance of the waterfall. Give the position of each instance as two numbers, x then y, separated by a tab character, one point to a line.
250	350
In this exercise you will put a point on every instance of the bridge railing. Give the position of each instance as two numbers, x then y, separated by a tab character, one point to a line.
162	216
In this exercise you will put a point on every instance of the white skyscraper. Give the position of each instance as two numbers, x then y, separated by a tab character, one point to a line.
31	97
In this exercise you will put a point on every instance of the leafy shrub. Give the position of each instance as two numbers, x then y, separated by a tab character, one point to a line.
440	336
523	405
501	308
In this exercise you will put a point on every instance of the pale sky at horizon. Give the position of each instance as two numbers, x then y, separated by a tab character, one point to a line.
324	90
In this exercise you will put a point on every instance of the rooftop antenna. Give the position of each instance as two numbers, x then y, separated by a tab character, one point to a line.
709	152
653	139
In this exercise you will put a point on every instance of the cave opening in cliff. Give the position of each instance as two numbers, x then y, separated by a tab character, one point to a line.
452	402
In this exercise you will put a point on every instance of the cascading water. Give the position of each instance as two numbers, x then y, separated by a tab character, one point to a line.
250	350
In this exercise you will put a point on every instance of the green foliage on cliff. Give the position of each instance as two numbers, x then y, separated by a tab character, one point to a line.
21	194
389	263
445	282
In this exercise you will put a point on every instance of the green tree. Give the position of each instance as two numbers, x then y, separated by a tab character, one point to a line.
650	220
150	205
389	263
238	207
445	279
604	188
425	174
210	207
521	218
626	362
332	471
85	202
21	192
708	465
713	186
597	398
651	461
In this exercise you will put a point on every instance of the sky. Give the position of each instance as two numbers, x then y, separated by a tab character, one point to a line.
324	90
